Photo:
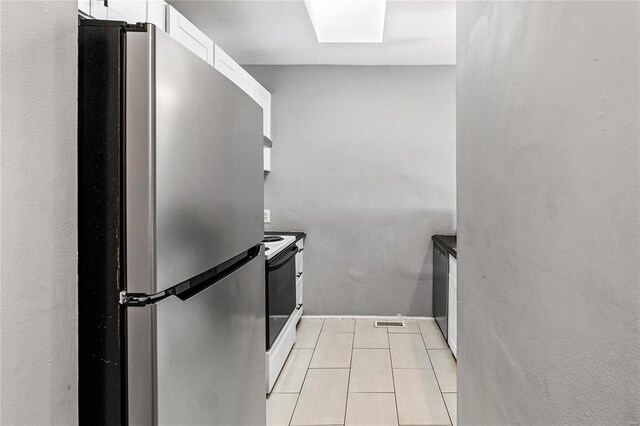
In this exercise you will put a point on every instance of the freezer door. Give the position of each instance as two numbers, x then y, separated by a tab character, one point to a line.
210	353
194	194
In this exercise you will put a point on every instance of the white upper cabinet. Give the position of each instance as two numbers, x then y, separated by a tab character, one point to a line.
167	18
181	29
263	98
84	6
266	159
98	9
234	72
130	11
157	14
226	65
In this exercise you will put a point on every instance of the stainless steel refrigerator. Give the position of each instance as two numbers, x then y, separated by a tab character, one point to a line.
171	269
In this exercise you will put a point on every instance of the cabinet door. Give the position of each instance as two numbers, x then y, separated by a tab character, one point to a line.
225	64
299	258
453	316
299	291
112	15
266	159
181	29
98	9
267	118
131	11
84	6
246	82
157	14
234	72
263	98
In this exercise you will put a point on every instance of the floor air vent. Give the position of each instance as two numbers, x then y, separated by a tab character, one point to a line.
389	324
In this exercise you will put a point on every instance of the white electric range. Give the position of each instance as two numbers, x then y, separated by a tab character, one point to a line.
275	243
283	309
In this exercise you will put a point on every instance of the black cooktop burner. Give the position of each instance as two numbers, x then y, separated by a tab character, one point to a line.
272	239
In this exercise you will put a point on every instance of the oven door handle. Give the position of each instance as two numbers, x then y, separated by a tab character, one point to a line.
281	262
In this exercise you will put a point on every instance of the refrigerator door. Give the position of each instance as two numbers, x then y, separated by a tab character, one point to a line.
170	186
194	163
194	200
210	353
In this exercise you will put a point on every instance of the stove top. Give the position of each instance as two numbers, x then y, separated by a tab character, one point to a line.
272	238
275	243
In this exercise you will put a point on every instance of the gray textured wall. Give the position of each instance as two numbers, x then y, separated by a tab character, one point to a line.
38	243
548	213
364	162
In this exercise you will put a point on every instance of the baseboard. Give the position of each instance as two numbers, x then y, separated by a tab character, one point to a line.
380	317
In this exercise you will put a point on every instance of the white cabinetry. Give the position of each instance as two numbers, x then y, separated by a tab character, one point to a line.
453	306
84	7
266	159
277	355
263	98
225	64
97	9
181	29
157	14
234	72
299	273
167	18
131	11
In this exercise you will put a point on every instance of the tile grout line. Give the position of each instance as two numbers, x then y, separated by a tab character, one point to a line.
393	378
328	368
436	376
346	402
284	393
305	375
447	406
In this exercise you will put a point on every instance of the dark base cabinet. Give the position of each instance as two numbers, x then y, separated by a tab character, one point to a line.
440	286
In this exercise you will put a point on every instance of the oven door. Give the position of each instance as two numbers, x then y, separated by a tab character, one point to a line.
281	292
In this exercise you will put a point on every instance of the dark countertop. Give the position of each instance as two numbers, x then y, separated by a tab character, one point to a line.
448	242
298	234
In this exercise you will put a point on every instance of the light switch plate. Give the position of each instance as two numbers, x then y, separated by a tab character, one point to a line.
267	216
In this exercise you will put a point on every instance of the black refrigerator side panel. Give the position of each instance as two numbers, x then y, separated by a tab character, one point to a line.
102	322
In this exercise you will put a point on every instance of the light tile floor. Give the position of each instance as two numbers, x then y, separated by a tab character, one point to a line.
348	372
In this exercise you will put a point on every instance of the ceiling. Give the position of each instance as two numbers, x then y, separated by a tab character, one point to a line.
280	32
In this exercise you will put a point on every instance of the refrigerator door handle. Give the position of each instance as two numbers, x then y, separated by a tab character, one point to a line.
141	299
195	285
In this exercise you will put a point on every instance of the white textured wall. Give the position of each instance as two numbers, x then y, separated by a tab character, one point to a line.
548	213
38	202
